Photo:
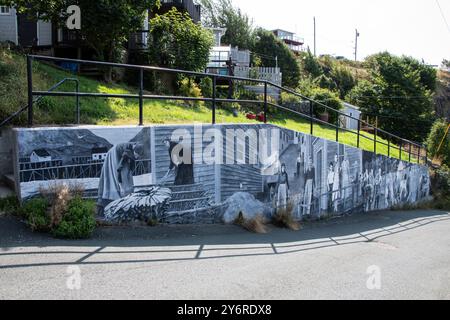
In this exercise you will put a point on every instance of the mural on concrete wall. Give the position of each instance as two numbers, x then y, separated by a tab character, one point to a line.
109	164
192	182
314	176
161	172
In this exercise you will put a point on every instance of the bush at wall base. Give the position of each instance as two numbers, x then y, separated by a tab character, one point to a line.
36	213
78	222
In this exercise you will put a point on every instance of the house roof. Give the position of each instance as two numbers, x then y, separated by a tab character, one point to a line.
99	150
277	30
41	153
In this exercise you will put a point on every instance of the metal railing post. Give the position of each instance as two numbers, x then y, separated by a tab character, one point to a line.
359	133
265	101
78	101
409	156
426	156
214	100
311	116
141	99
337	127
375	134
419	154
30	90
389	147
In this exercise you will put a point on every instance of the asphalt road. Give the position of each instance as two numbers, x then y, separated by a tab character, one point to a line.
404	255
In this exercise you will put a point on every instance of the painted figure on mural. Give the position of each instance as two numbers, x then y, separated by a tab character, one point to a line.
355	184
424	186
403	197
336	190
390	199
179	170
116	179
282	188
368	187
378	179
330	181
310	174
346	187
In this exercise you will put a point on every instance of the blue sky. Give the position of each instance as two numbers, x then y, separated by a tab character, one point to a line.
411	27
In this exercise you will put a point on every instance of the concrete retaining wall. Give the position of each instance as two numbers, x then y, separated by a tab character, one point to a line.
6	152
310	176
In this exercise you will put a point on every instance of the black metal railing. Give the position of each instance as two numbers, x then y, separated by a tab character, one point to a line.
393	143
39	98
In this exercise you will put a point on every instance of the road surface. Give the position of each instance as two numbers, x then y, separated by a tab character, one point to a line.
388	255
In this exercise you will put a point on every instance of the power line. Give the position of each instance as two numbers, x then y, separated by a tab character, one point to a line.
443	16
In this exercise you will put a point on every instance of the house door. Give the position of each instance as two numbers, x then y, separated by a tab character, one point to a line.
27	30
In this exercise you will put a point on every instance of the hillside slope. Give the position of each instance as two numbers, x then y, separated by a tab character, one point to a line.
113	111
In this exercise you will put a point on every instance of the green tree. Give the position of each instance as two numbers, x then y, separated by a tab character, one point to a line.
399	93
327	72
343	78
325	82
177	42
328	98
105	24
435	138
268	47
222	14
310	66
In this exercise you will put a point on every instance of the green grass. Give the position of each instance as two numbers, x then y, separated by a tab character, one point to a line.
114	111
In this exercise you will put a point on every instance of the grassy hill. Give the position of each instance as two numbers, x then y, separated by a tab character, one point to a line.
113	111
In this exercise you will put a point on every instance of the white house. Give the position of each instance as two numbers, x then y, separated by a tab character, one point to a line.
218	33
20	30
99	154
40	155
352	111
221	56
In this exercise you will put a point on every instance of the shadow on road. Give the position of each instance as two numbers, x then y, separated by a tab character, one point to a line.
20	248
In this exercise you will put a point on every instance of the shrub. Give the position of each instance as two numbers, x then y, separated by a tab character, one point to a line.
78	222
206	87
188	88
284	218
256	224
59	196
434	141
9	205
36	213
328	98
288	98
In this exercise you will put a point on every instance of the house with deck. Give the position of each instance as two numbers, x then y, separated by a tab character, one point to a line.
294	42
49	39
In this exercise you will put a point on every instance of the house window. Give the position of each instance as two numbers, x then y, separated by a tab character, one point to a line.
4	10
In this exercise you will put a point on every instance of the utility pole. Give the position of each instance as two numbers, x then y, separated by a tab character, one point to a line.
356	44
314	36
